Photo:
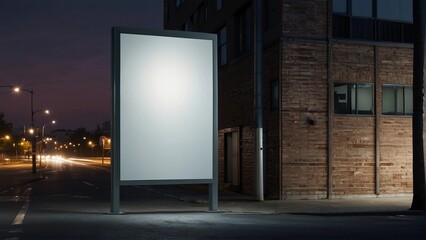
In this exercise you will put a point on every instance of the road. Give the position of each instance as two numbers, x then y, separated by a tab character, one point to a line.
69	199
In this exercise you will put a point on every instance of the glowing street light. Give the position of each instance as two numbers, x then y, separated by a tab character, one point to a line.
42	135
33	141
6	137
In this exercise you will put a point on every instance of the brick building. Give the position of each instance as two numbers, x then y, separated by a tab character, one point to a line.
338	94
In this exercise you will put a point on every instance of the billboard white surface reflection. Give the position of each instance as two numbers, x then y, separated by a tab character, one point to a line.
166	108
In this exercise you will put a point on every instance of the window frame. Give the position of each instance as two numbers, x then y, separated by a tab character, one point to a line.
274	92
347	26
270	13
244	30
221	45
349	103
219	5
395	87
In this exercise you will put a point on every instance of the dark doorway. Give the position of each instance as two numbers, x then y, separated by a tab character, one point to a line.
232	161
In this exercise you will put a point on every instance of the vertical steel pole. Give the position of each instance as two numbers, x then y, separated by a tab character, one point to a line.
103	150
115	126
258	97
213	187
41	145
33	140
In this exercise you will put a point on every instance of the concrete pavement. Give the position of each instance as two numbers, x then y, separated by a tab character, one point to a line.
237	203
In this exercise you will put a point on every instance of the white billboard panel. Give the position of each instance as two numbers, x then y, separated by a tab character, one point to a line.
166	108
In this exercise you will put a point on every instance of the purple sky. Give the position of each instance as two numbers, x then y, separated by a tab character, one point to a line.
61	49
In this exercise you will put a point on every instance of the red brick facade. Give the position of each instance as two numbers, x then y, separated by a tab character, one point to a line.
311	152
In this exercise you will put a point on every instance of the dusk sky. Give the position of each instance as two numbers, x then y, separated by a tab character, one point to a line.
61	49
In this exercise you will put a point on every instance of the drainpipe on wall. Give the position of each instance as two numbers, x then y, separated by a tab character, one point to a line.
330	104
258	98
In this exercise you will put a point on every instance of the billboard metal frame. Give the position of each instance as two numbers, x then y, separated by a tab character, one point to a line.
116	181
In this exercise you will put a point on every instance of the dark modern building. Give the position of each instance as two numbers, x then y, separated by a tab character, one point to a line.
338	94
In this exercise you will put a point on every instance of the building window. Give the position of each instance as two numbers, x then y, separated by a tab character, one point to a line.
395	10
218	5
272	13
340	6
353	98
166	12
202	13
243	31
178	2
397	100
375	20
206	11
362	8
221	35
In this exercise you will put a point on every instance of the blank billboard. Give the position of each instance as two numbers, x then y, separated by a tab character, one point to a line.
166	101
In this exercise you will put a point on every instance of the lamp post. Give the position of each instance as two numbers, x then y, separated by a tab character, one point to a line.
5	138
15	145
15	89
33	139
42	138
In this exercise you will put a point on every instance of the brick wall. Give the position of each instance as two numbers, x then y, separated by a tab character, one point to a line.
303	115
353	63
396	154
236	110
236	94
271	124
304	18
354	136
221	159
395	65
353	155
248	165
247	158
304	98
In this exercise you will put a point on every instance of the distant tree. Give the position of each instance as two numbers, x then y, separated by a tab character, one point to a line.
418	104
79	137
5	129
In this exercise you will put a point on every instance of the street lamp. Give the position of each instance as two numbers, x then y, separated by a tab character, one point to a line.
33	140
5	138
8	86
42	136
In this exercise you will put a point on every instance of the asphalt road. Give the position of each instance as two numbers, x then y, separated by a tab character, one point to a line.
69	199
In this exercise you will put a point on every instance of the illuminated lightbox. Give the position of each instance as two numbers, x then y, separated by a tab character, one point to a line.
164	123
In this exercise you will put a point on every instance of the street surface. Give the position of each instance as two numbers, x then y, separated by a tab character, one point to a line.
69	199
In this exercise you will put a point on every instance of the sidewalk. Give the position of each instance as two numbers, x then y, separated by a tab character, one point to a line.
231	202
373	206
